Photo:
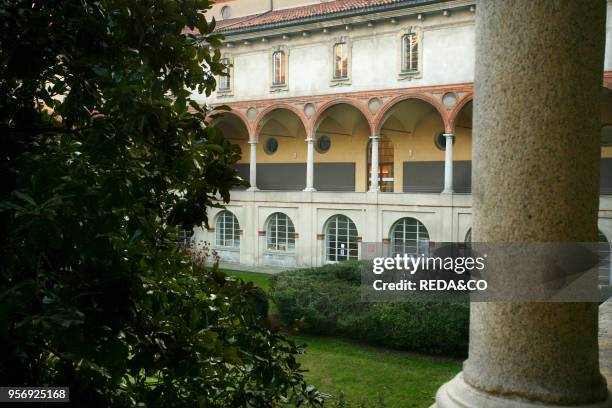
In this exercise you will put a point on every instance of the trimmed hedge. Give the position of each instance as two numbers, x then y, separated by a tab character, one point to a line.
328	301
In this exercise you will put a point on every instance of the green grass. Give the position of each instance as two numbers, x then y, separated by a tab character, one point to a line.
378	377
259	279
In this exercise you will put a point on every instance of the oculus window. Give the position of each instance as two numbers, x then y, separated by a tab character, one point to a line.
323	144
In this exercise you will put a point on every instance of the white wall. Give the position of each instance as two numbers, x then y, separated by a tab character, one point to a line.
446	217
448	58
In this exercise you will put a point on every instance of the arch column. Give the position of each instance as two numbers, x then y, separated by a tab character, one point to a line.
253	166
374	187
527	189
448	163
310	163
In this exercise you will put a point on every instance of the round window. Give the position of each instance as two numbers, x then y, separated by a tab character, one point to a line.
271	146
323	144
226	12
440	141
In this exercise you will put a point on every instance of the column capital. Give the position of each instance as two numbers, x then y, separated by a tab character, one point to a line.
309	140
447	135
375	137
252	142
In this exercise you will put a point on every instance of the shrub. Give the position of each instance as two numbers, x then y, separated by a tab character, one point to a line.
328	301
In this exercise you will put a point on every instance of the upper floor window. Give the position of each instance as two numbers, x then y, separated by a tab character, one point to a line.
226	12
279	61
410	52
224	80
341	60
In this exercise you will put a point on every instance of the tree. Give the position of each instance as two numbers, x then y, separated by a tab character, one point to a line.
104	152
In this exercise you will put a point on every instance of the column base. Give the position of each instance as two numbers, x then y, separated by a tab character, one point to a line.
458	394
445	191
374	190
252	189
309	189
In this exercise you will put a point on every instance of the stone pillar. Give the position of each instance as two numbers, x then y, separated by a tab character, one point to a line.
448	163
374	171
536	152
310	165
253	166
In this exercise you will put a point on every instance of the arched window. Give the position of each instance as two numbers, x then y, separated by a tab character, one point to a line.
279	61
341	239
280	234
385	164
409	236
227	230
410	52
340	60
605	267
224	80
468	243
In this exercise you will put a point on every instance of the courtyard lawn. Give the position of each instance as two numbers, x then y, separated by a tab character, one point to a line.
375	376
378	377
259	279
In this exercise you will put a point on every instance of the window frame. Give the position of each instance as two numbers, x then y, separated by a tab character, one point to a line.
418	242
404	74
332	224
221	230
280	237
229	91
604	249
348	47
274	85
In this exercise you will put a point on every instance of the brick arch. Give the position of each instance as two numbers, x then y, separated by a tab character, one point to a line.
278	106
457	110
218	115
341	101
381	116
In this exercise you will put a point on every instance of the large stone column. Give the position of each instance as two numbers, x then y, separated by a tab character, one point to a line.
448	163
536	151
310	164
253	166
374	170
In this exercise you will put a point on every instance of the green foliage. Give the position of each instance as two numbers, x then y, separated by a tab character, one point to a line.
104	152
328	301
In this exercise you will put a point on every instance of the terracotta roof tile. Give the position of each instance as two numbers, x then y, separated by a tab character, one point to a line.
297	13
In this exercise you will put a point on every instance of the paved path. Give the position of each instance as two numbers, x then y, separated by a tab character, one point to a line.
605	340
247	268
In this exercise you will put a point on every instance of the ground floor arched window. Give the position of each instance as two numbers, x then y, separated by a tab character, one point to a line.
605	267
227	230
468	243
280	233
409	236
341	239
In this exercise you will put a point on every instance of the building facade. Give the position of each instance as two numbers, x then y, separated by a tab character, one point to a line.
354	118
